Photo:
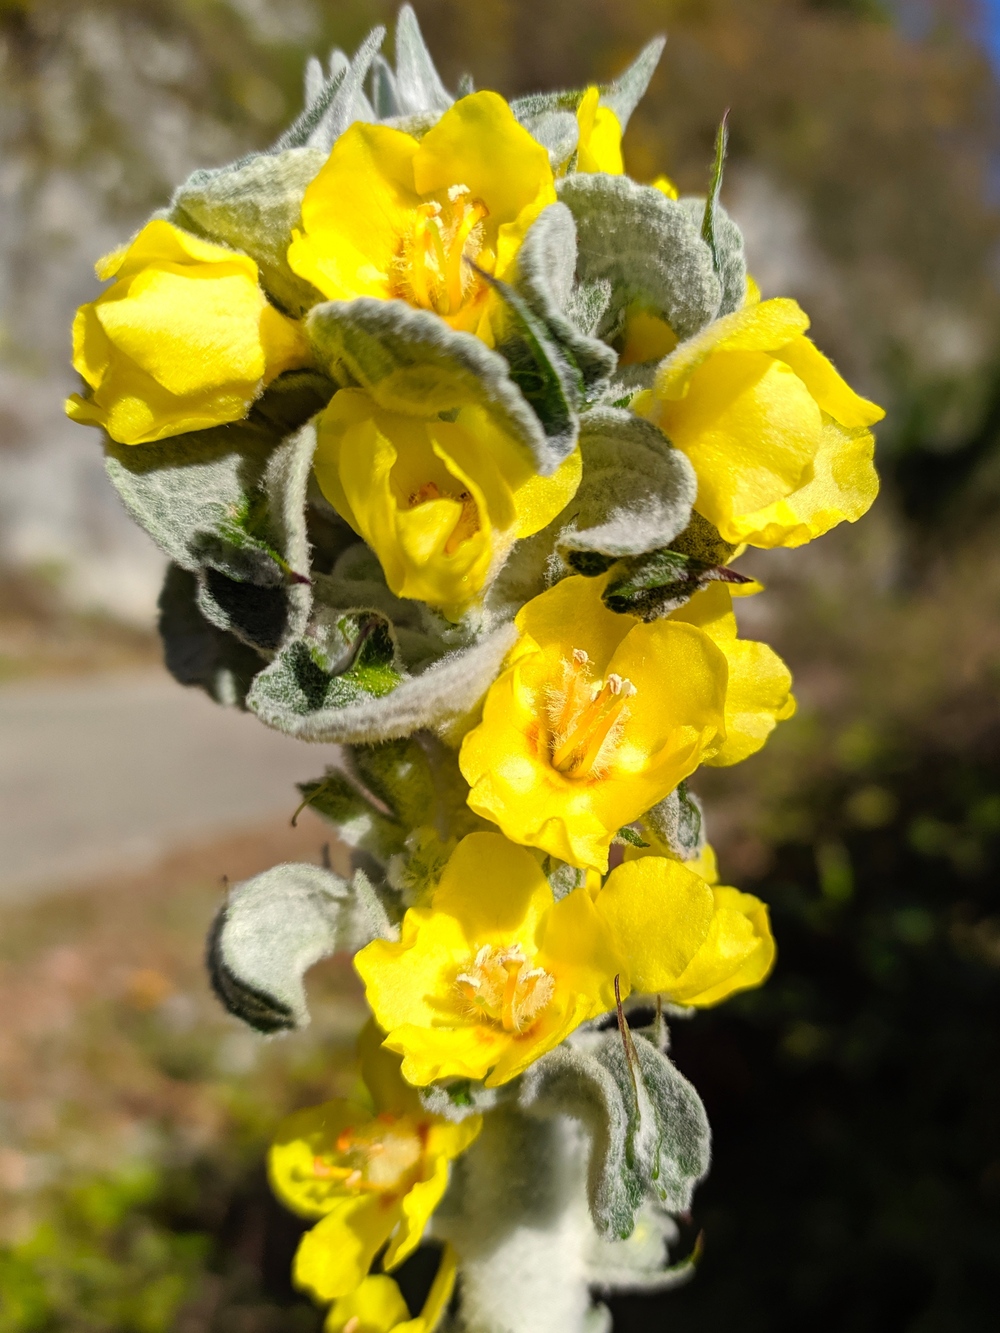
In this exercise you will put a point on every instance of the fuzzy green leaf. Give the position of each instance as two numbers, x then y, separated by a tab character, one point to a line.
647	246
298	693
679	822
729	258
228	505
637	490
649	1132
195	651
253	207
275	926
654	584
569	311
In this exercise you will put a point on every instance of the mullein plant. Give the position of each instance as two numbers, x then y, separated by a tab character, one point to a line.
452	433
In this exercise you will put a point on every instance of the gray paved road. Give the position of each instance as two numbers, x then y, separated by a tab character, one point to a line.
107	774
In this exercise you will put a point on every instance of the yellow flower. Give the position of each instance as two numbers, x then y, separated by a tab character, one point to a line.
705	865
758	694
493	972
372	1174
439	502
780	443
183	340
596	718
377	1306
682	937
393	216
600	143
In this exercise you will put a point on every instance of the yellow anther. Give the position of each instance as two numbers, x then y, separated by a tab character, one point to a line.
586	716
431	269
500	987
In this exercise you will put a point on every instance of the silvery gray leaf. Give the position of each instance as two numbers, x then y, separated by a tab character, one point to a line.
195	652
648	1129
383	90
730	253
558	132
348	102
626	92
272	929
622	95
641	1263
418	85
679	821
313	80
441	694
545	277
647	246
458	1100
275	927
253	207
411	361
637	490
228	505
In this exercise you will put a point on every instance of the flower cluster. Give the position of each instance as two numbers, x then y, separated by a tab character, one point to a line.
454	434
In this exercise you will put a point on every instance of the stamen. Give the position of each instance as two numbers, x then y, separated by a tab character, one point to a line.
501	988
379	1157
587	717
430	269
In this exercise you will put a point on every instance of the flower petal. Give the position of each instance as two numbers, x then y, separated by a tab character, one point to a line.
334	1257
659	914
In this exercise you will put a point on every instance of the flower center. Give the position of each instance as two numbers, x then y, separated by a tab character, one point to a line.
499	986
377	1158
431	271
585	717
468	520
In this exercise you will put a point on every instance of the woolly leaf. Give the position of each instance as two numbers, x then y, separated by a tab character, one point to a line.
384	94
276	926
708	222
622	95
398	773
298	695
637	490
639	1263
195	651
628	837
228	506
679	821
411	361
418	85
337	103
648	1128
626	92
571	1081
353	660
654	584
729	257
647	246
701	541
253	206
272	929
558	132
550	382
380	795
546	264
669	1137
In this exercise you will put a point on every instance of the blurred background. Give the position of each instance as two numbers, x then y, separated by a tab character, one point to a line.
855	1099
